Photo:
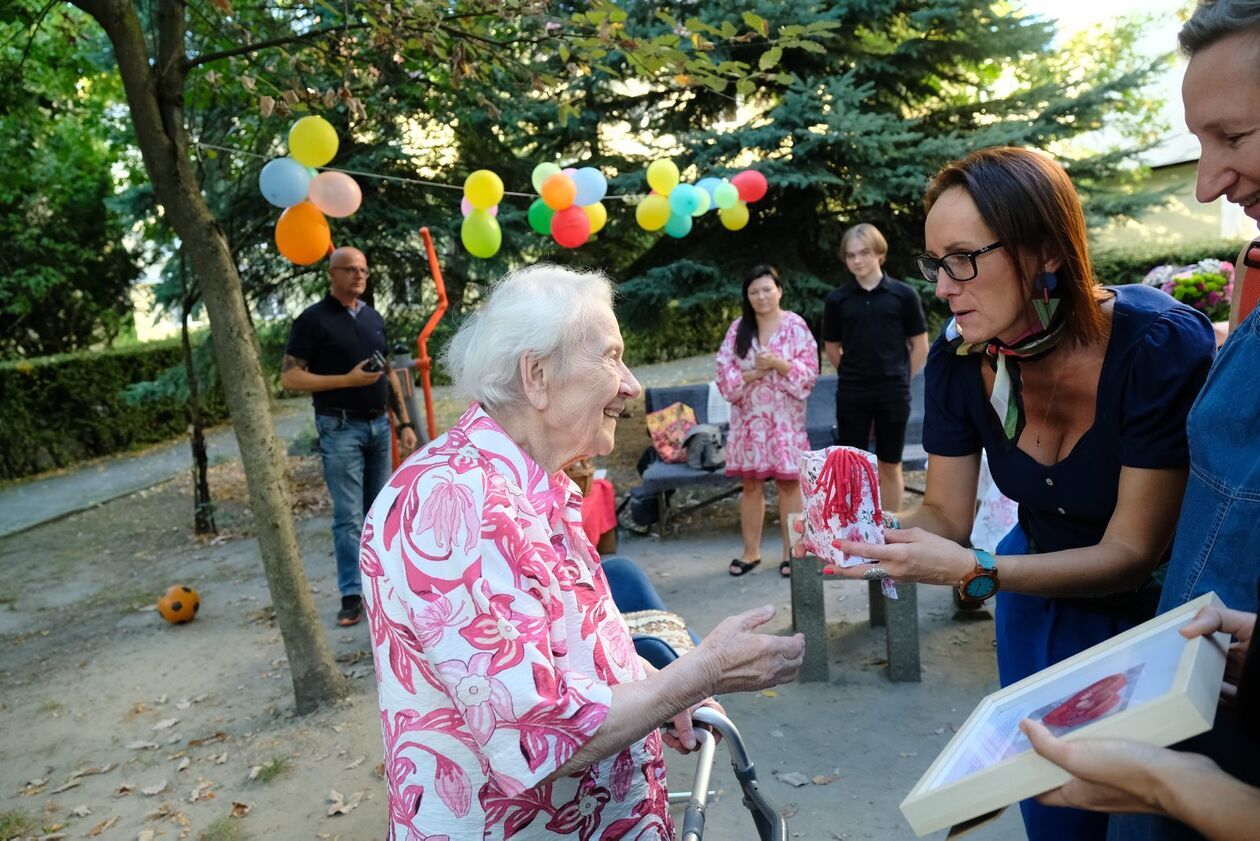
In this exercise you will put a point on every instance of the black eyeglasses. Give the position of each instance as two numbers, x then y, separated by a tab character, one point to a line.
960	265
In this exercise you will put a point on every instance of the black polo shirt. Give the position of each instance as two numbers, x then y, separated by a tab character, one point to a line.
332	341
872	329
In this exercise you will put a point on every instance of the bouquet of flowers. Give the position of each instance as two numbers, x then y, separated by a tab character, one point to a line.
1206	285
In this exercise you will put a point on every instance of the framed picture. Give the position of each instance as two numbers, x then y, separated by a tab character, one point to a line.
1149	684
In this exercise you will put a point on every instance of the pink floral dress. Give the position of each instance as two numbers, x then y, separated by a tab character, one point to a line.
768	415
496	645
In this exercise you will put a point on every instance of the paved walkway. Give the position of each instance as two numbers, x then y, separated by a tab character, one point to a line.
42	499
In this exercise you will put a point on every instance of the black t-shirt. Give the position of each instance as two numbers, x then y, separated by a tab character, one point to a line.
872	329
332	341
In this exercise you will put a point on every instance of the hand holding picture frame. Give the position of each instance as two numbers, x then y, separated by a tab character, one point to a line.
1149	684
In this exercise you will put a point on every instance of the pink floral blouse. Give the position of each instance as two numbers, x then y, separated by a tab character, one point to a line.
768	415
496	645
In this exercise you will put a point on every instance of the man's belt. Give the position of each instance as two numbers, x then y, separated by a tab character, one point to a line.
349	414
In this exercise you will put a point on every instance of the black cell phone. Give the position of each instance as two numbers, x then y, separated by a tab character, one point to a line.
376	362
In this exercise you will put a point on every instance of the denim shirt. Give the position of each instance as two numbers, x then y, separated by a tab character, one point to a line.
1218	535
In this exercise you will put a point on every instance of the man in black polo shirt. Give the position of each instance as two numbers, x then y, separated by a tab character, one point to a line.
875	336
330	355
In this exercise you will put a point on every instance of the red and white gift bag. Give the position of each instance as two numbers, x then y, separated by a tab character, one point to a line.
840	489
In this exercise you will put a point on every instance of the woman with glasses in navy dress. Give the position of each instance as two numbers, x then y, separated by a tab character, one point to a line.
1077	393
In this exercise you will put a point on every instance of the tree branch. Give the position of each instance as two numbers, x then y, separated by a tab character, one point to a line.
246	49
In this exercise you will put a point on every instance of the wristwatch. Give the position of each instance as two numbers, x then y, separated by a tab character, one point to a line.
982	581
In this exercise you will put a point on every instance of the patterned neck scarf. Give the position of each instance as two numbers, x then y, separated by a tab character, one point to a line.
1007	399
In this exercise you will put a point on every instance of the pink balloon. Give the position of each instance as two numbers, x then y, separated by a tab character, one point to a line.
751	185
465	207
569	171
335	194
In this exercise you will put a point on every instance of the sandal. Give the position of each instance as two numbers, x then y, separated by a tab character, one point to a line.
785	568
739	567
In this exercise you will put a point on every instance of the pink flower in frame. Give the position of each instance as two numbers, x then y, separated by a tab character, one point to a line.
502	630
581	814
481	699
449	507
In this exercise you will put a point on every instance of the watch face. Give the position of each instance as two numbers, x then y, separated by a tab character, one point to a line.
980	587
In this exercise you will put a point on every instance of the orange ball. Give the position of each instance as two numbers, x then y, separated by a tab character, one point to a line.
179	604
558	191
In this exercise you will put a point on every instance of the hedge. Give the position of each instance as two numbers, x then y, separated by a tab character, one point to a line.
61	409
1129	265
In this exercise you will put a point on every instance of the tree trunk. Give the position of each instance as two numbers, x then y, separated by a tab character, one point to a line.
203	506
155	95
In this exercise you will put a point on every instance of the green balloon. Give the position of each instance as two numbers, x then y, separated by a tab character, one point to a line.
481	234
725	195
541	173
540	217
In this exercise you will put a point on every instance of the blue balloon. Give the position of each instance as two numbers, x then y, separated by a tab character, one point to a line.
283	182
591	184
684	199
709	185
678	225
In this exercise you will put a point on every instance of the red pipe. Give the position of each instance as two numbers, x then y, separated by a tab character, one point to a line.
423	362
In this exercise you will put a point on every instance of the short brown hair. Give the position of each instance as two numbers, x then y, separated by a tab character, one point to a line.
1029	203
867	233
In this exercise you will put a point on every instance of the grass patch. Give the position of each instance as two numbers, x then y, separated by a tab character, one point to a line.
273	768
224	829
16	824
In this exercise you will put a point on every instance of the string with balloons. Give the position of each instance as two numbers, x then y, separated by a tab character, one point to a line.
480	232
307	195
673	205
569	206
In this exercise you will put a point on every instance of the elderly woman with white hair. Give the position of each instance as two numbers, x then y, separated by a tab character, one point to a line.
512	701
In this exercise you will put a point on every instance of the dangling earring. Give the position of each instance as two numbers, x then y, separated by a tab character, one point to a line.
1043	304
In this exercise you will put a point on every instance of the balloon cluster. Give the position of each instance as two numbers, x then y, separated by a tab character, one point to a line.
673	205
569	205
480	232
302	233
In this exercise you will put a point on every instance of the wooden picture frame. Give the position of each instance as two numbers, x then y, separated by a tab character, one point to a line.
1148	684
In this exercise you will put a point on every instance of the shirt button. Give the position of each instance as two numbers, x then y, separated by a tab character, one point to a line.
1061	511
1049	481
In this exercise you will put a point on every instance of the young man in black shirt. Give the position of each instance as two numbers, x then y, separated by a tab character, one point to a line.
330	354
875	336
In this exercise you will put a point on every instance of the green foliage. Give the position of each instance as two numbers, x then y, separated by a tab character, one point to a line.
61	409
16	825
64	270
1130	265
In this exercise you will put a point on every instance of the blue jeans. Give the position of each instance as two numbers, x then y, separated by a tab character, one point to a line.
1218	542
355	454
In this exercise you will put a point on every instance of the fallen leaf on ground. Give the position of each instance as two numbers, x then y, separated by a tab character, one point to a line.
183	704
824	779
239	810
379	770
153	790
769	693
220	758
66	786
208	740
355	764
341	806
166	724
87	772
124	790
102	826
142	745
183	764
80	811
33	787
255	771
201	791
146	835
788	810
793	778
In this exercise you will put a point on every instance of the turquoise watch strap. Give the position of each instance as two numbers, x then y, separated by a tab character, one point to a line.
985	559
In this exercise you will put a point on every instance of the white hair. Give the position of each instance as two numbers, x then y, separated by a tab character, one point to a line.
540	310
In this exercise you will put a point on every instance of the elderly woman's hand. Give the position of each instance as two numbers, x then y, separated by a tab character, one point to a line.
910	555
740	659
680	734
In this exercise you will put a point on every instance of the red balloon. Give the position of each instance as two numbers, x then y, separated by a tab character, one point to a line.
751	185
571	227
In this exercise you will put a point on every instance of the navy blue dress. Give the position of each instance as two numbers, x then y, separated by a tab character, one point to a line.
1157	357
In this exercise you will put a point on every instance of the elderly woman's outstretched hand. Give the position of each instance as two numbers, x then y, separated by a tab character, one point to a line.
742	659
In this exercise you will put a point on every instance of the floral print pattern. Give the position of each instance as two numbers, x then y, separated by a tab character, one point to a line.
768	415
496	645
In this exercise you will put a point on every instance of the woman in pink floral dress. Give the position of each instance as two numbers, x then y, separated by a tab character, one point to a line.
766	368
513	703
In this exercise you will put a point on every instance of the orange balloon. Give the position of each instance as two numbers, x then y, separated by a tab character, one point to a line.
302	234
558	191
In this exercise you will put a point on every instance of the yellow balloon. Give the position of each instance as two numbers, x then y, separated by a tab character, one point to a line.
312	141
652	213
483	189
598	216
662	176
735	216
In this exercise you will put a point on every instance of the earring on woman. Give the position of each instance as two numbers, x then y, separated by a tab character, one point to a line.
1045	306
